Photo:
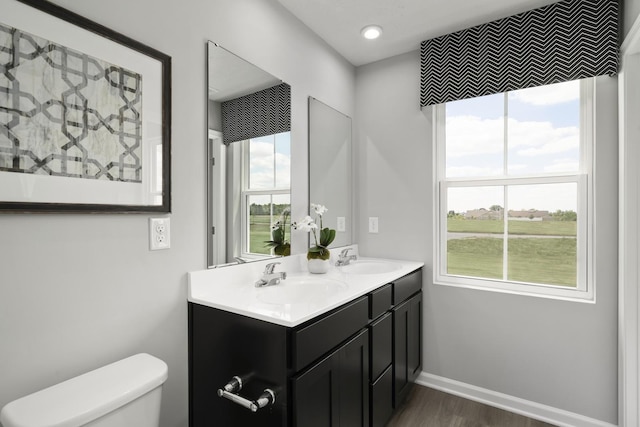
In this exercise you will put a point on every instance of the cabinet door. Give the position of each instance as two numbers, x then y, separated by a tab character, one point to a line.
354	382
407	359
335	391
382	399
315	395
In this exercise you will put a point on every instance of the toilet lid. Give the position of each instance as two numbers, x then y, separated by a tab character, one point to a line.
89	396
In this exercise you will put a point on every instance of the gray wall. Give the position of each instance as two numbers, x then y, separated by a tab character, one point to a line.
561	354
631	10
214	114
80	291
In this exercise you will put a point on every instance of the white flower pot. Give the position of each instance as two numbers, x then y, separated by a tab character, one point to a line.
318	266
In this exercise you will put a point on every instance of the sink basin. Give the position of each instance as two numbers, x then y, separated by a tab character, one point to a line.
368	267
300	290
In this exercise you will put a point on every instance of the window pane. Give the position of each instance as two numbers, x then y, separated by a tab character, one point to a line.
283	160
260	212
475	231
474	132
264	211
544	129
262	163
542	234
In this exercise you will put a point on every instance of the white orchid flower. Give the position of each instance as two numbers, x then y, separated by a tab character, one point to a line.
319	209
306	224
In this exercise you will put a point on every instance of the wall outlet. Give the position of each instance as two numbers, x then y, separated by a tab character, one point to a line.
373	224
159	233
341	224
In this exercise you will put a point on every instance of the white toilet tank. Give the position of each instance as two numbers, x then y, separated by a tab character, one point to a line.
126	393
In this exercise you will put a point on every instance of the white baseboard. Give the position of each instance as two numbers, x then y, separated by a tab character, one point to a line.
513	404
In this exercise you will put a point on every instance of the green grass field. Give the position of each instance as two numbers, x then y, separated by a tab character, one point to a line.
259	232
539	228
530	259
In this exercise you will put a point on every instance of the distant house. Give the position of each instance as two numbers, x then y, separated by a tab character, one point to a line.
529	215
483	213
525	215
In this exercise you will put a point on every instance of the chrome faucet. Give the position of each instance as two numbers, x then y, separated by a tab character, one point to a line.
269	278
344	258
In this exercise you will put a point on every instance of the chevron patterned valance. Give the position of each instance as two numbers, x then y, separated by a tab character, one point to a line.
567	40
265	112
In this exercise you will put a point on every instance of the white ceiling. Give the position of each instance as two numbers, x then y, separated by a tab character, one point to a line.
231	76
405	22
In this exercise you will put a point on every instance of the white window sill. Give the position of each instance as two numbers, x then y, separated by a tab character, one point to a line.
549	292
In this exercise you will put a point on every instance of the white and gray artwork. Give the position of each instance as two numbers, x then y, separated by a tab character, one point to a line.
65	113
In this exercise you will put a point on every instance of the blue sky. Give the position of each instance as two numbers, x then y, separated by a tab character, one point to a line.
543	135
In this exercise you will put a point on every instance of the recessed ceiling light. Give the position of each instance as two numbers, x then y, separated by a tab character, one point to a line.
371	32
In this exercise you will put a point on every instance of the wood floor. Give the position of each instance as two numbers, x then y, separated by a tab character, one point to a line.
427	407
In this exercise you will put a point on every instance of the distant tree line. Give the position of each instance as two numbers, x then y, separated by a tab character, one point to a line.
564	215
558	215
265	209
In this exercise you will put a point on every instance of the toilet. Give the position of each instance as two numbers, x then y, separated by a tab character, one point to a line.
123	394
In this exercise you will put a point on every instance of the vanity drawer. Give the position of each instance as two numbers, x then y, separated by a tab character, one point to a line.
313	340
381	406
381	337
380	301
406	286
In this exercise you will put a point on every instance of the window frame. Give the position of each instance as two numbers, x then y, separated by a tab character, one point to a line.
584	290
245	194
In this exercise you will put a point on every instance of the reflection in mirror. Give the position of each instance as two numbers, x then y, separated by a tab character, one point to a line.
330	168
249	147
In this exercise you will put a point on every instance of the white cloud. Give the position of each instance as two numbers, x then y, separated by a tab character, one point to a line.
262	166
548	95
472	136
465	171
563	165
539	138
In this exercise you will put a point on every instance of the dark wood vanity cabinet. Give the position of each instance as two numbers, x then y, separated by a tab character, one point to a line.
407	346
396	344
350	367
335	391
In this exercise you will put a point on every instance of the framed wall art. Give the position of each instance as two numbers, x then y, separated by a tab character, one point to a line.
85	115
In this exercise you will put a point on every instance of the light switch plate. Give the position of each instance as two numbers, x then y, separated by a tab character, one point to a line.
373	224
159	233
341	224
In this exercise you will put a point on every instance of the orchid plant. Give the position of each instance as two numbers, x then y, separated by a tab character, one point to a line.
278	240
322	237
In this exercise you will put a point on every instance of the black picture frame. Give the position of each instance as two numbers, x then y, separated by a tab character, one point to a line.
134	189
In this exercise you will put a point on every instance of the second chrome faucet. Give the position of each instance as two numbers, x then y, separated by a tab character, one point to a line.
269	278
344	258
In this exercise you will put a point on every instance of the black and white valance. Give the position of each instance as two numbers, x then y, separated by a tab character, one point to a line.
567	40
265	112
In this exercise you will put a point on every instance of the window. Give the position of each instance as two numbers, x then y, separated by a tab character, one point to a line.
266	189
514	186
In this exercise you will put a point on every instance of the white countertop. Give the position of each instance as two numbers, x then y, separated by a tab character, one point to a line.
232	288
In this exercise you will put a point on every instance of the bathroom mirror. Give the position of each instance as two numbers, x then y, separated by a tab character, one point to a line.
330	168
249	161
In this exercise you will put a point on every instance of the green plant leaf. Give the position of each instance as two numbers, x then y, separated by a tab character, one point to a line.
270	244
278	235
327	236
